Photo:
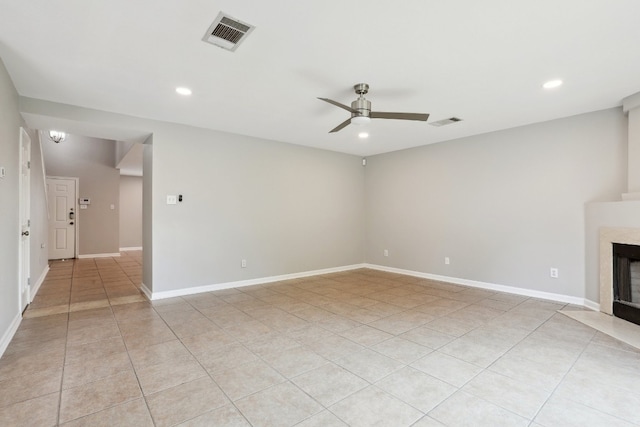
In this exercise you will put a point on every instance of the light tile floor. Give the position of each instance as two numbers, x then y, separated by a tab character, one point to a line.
360	348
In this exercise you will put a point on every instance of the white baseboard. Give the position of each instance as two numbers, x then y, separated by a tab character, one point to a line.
592	305
132	248
465	282
489	286
9	333
241	283
38	283
117	254
147	293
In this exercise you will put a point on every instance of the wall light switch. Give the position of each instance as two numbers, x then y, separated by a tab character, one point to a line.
83	206
172	200
3	172
112	206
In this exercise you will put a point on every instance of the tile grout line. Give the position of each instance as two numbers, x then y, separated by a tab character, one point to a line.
202	366
133	368
66	345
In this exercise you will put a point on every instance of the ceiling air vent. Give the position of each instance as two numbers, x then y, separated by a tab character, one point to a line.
227	32
444	122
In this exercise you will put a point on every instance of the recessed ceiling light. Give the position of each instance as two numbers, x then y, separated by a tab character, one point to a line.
552	84
183	91
363	135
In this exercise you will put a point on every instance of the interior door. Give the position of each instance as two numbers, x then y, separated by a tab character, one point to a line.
62	217
25	223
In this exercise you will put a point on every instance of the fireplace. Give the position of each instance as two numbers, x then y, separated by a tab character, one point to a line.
626	282
610	236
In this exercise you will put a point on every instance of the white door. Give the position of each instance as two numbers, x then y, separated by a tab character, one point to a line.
25	222
61	193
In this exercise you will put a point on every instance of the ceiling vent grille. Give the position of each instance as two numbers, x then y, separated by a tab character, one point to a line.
444	122
227	32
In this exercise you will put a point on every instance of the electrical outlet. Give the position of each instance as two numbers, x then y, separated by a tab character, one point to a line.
386	252
553	272
447	260
243	263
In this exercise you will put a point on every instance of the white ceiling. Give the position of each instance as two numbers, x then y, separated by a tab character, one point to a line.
483	61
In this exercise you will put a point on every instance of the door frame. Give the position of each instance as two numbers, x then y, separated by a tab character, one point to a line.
76	221
24	225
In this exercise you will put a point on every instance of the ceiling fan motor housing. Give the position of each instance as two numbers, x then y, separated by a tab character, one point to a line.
362	107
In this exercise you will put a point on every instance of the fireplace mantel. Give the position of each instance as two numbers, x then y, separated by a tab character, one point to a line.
608	236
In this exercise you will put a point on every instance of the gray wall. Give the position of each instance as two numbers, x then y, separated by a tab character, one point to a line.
147	214
283	208
91	160
10	123
39	218
504	206
130	211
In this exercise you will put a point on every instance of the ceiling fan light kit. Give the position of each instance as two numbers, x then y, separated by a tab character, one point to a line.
361	120
361	110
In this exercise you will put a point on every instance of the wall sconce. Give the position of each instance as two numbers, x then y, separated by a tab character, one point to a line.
57	136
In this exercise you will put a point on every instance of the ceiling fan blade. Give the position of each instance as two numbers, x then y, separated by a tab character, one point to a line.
399	116
337	104
341	126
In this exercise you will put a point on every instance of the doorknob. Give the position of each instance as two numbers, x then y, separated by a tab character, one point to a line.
25	233
71	215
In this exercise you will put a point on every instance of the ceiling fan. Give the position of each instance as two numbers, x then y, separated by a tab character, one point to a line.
361	110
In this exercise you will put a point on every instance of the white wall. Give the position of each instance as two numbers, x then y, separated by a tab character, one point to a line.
130	211
10	123
504	206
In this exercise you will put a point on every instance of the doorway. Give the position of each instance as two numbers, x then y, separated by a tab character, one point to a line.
25	221
61	194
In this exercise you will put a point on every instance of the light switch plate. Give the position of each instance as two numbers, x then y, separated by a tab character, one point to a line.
172	200
3	172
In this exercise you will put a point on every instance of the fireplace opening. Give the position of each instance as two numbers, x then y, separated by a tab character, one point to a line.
626	282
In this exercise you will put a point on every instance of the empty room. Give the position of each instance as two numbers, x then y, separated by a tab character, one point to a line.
363	213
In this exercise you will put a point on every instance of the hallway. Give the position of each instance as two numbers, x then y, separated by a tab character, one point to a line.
82	284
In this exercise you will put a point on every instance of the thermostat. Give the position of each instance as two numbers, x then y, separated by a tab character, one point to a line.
84	201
